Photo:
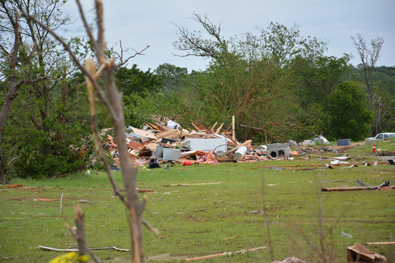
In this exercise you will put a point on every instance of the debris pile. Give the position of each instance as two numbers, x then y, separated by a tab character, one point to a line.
161	145
158	144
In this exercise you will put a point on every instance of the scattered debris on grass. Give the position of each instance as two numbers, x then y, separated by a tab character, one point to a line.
10	186
380	243
76	249
363	186
290	260
159	145
359	254
224	254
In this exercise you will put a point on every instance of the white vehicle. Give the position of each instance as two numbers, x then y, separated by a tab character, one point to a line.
382	136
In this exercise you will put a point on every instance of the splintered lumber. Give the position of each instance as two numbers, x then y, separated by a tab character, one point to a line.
201	128
11	186
230	138
195	184
224	254
380	243
196	127
246	142
212	127
162	127
134	145
76	249
355	188
167	134
143	133
152	146
140	190
224	160
154	127
219	128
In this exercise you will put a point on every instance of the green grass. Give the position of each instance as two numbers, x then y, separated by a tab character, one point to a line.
380	146
202	218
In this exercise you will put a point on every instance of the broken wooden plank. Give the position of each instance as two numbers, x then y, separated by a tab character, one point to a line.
246	143
152	146
230	138
195	184
196	127
167	134
11	186
212	127
380	243
162	127
224	254
76	249
140	190
142	133
134	145
219	128
355	188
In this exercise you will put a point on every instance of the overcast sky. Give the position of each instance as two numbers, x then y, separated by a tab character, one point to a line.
150	22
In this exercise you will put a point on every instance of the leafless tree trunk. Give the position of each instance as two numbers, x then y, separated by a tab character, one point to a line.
369	57
113	102
12	91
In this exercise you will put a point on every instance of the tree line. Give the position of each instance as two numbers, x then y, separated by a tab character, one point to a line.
278	84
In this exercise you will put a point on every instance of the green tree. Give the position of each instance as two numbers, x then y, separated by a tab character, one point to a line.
133	80
172	76
48	121
347	108
250	77
319	77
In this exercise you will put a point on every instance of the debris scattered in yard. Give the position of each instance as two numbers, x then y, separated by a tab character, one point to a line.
380	243
76	249
290	260
159	145
360	254
10	186
363	186
224	254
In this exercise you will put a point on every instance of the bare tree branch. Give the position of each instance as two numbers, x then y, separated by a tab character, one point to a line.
120	56
88	30
75	59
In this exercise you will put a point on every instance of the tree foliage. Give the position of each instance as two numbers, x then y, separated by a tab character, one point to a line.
250	77
133	80
348	114
47	127
318	78
173	77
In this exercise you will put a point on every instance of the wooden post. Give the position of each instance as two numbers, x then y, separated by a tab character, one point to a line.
233	127
79	222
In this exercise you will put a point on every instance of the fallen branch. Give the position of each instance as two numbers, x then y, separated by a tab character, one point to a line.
380	243
195	184
354	188
76	249
224	254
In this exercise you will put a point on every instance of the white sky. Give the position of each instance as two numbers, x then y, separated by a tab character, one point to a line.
141	22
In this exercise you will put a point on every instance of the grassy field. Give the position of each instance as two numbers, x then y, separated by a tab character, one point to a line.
203	217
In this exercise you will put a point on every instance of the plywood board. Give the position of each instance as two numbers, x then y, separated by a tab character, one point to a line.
143	133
